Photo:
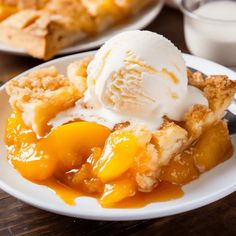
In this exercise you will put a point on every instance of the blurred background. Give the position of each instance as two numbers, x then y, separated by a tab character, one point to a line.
211	36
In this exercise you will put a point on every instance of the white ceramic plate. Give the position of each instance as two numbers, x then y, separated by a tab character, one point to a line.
210	187
139	21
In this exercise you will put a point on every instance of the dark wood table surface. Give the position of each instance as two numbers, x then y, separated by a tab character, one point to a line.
18	218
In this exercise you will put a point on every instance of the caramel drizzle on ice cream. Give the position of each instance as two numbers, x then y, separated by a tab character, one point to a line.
134	59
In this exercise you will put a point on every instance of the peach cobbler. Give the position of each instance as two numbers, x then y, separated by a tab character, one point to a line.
43	27
128	126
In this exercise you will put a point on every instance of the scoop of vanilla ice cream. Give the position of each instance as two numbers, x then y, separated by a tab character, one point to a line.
137	76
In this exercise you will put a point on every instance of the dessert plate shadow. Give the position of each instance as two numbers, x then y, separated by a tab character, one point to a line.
211	186
139	21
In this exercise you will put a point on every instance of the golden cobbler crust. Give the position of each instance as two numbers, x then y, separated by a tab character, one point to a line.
218	89
38	86
40	95
77	73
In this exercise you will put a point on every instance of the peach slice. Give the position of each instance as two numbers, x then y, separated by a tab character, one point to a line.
118	155
34	163
83	179
213	147
180	170
72	143
28	156
117	191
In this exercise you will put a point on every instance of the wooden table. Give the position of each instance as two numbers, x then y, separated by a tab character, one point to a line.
18	218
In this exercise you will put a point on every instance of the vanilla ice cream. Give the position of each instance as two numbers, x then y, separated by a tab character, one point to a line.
137	76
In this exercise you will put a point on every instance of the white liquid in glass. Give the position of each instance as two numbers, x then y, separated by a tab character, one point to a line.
214	39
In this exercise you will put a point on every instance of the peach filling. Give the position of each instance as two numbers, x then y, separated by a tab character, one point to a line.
64	149
74	155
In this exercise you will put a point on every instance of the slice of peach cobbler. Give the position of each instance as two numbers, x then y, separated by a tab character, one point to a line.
124	123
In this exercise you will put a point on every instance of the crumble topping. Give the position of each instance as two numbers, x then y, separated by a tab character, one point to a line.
40	96
218	90
77	73
38	85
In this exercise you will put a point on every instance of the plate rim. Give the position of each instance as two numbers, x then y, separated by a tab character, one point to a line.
131	214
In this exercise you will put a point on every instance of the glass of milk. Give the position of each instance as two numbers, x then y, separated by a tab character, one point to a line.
210	29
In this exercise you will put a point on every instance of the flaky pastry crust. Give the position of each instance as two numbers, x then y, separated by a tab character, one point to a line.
43	27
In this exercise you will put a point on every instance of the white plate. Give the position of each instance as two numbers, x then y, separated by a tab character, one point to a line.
210	187
139	21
